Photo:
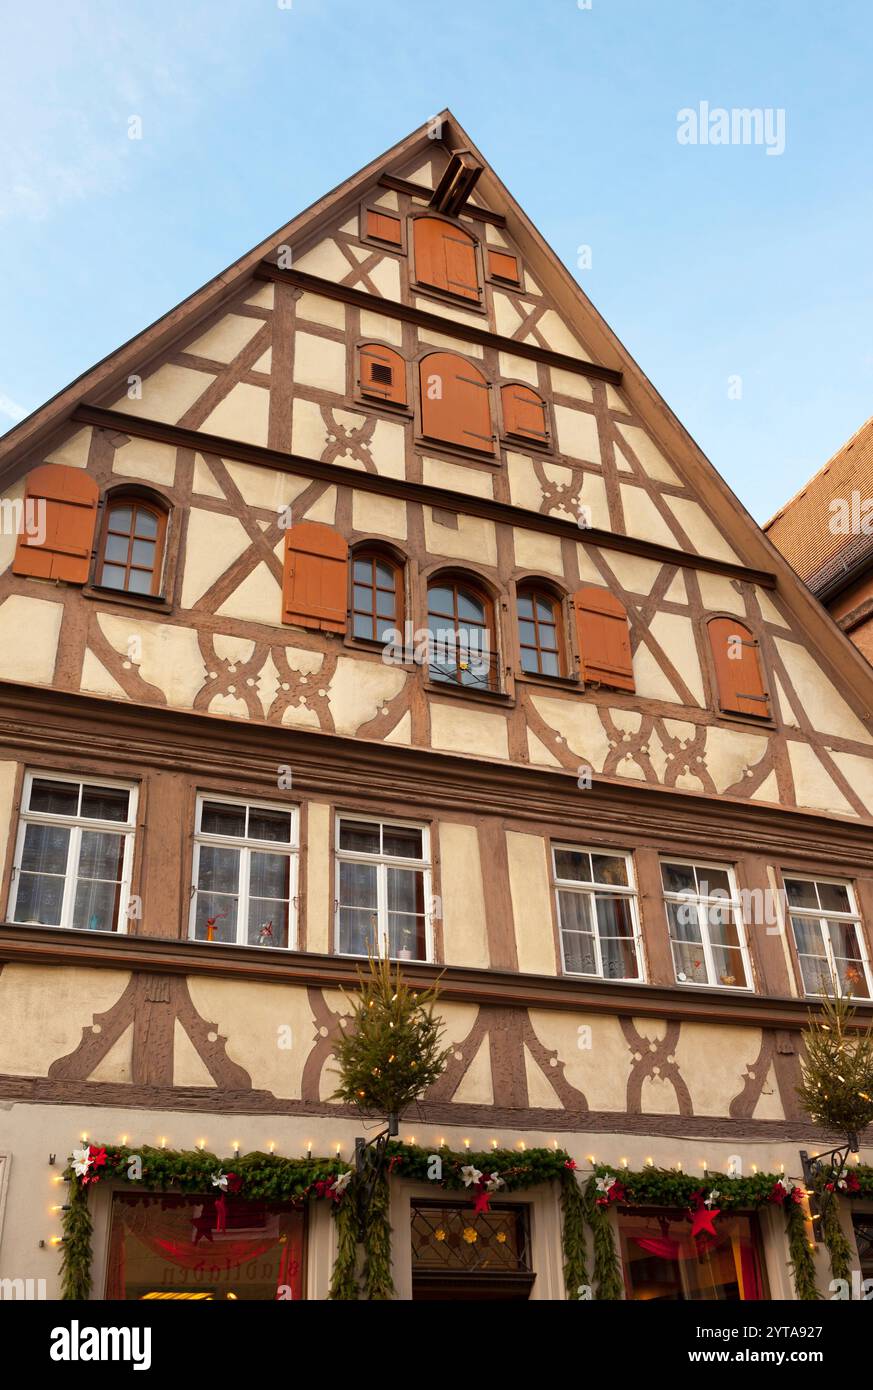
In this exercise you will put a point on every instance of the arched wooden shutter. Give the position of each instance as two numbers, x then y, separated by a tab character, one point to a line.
315	588
604	638
445	257
524	413
383	373
60	503
455	404
738	671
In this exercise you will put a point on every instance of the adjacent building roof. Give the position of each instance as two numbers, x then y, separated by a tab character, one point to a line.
801	529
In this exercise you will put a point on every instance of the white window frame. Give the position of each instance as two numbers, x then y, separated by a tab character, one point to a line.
246	846
383	862
822	916
75	825
564	885
702	902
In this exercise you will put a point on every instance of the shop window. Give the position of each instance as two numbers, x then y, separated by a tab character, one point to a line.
539	632
597	913
382	889
664	1262
455	404
706	925
458	1253
604	638
57	533
460	621
315	580
377	595
738	670
244	873
828	935
210	1247
445	257
132	545
525	414
74	853
382	373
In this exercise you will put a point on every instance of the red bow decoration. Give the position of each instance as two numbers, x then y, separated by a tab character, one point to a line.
234	1182
221	1213
482	1201
325	1187
778	1192
571	1163
392	1162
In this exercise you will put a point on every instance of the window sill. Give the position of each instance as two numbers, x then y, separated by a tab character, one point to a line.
747	721
444	446
550	682
396	409
467	692
456	301
155	603
715	989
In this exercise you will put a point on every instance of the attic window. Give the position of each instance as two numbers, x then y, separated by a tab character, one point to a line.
382	373
381	226
379	372
503	266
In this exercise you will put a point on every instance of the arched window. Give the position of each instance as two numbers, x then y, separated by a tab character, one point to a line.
445	257
737	659
455	405
539	631
460	620
377	595
132	545
382	373
604	638
524	413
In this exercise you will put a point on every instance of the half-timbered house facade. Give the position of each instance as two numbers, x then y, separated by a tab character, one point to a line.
374	596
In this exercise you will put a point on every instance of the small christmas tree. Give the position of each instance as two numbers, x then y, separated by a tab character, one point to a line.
390	1052
837	1071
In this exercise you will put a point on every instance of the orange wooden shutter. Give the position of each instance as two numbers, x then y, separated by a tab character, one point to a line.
383	373
740	679
384	227
315	588
524	412
445	257
454	402
604	638
66	499
503	266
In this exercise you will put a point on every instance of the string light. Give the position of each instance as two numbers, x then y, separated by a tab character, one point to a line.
163	1141
522	1145
466	1143
338	1148
236	1148
624	1163
494	1144
309	1148
650	1163
272	1146
124	1138
678	1165
591	1160
201	1144
84	1138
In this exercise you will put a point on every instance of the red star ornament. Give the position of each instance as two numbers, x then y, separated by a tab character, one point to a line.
702	1219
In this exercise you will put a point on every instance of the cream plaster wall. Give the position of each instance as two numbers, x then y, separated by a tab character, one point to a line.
531	891
462	889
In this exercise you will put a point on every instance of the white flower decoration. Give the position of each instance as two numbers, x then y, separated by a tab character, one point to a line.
470	1175
605	1184
81	1162
712	1198
342	1182
494	1182
220	1181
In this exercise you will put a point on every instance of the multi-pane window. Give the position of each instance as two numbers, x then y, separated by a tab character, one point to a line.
245	873
377	600
828	937
460	634
382	889
706	925
538	632
74	853
597	913
133	542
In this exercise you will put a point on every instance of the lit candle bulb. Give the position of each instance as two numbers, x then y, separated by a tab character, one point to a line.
272	1147
309	1148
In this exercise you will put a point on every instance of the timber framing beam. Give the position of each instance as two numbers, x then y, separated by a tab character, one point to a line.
392	308
161	955
500	512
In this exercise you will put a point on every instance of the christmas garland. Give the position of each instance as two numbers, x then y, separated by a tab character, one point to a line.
271	1177
480	1176
828	1187
704	1202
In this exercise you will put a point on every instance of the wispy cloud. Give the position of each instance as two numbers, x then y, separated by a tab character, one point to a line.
11	409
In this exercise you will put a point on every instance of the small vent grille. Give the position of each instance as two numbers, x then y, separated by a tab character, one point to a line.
379	372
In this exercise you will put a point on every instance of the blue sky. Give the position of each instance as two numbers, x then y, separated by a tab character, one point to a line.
709	262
